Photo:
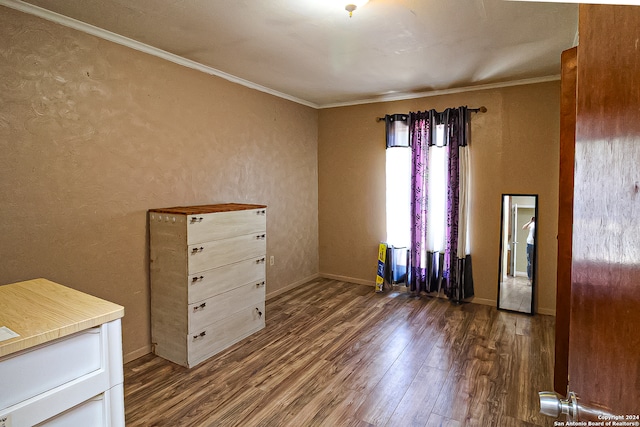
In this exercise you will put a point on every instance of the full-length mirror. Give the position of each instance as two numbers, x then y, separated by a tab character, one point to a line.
517	265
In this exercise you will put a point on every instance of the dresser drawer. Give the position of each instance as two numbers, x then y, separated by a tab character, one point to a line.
222	225
98	411
208	255
224	333
51	379
47	367
214	309
208	283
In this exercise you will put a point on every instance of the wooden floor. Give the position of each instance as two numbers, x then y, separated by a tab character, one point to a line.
338	354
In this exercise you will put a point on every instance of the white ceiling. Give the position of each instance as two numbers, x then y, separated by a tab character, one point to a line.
312	52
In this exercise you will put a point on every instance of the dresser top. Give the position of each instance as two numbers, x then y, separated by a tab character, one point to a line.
41	311
204	209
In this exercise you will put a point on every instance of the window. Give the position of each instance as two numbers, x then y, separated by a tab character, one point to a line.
398	191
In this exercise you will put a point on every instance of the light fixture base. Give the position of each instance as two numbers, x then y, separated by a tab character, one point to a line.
350	8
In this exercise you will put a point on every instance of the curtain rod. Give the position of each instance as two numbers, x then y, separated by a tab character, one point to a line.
482	109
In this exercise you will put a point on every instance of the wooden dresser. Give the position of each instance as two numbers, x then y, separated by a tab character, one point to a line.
60	357
207	268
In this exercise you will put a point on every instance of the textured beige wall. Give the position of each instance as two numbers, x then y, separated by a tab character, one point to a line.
514	149
94	134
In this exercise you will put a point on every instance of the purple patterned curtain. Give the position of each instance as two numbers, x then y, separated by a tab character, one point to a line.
421	136
450	270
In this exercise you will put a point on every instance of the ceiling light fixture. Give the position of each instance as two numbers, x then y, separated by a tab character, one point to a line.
350	7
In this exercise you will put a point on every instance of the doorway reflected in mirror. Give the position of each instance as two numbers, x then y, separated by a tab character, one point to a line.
517	260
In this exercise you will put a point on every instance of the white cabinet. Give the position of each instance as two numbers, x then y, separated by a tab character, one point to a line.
207	269
65	366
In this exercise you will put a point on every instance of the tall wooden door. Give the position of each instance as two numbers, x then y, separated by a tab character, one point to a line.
604	334
568	75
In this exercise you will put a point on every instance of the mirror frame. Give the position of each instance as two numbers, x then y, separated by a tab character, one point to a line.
534	267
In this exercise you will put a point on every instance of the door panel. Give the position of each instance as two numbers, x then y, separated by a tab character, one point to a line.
565	216
605	291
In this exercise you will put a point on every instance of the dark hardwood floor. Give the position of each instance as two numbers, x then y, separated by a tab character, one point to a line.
338	354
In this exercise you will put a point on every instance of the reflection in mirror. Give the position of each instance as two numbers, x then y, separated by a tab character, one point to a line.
517	267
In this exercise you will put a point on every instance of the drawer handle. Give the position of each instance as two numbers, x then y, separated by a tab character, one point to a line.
196	279
196	250
259	284
260	261
261	212
200	335
194	219
199	307
261	236
259	312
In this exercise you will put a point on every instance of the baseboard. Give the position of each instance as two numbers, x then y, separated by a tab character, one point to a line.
147	348
291	286
137	353
547	311
475	300
348	279
484	301
492	302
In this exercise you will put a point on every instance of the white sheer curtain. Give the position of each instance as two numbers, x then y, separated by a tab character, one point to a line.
437	190
464	242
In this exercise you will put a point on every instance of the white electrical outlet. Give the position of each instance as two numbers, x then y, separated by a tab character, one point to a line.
271	260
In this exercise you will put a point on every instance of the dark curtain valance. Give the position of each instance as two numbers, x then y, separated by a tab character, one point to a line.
455	119
397	130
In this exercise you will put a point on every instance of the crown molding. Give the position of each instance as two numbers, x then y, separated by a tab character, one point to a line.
609	2
404	96
142	47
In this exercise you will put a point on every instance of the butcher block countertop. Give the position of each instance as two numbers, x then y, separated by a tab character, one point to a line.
41	311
